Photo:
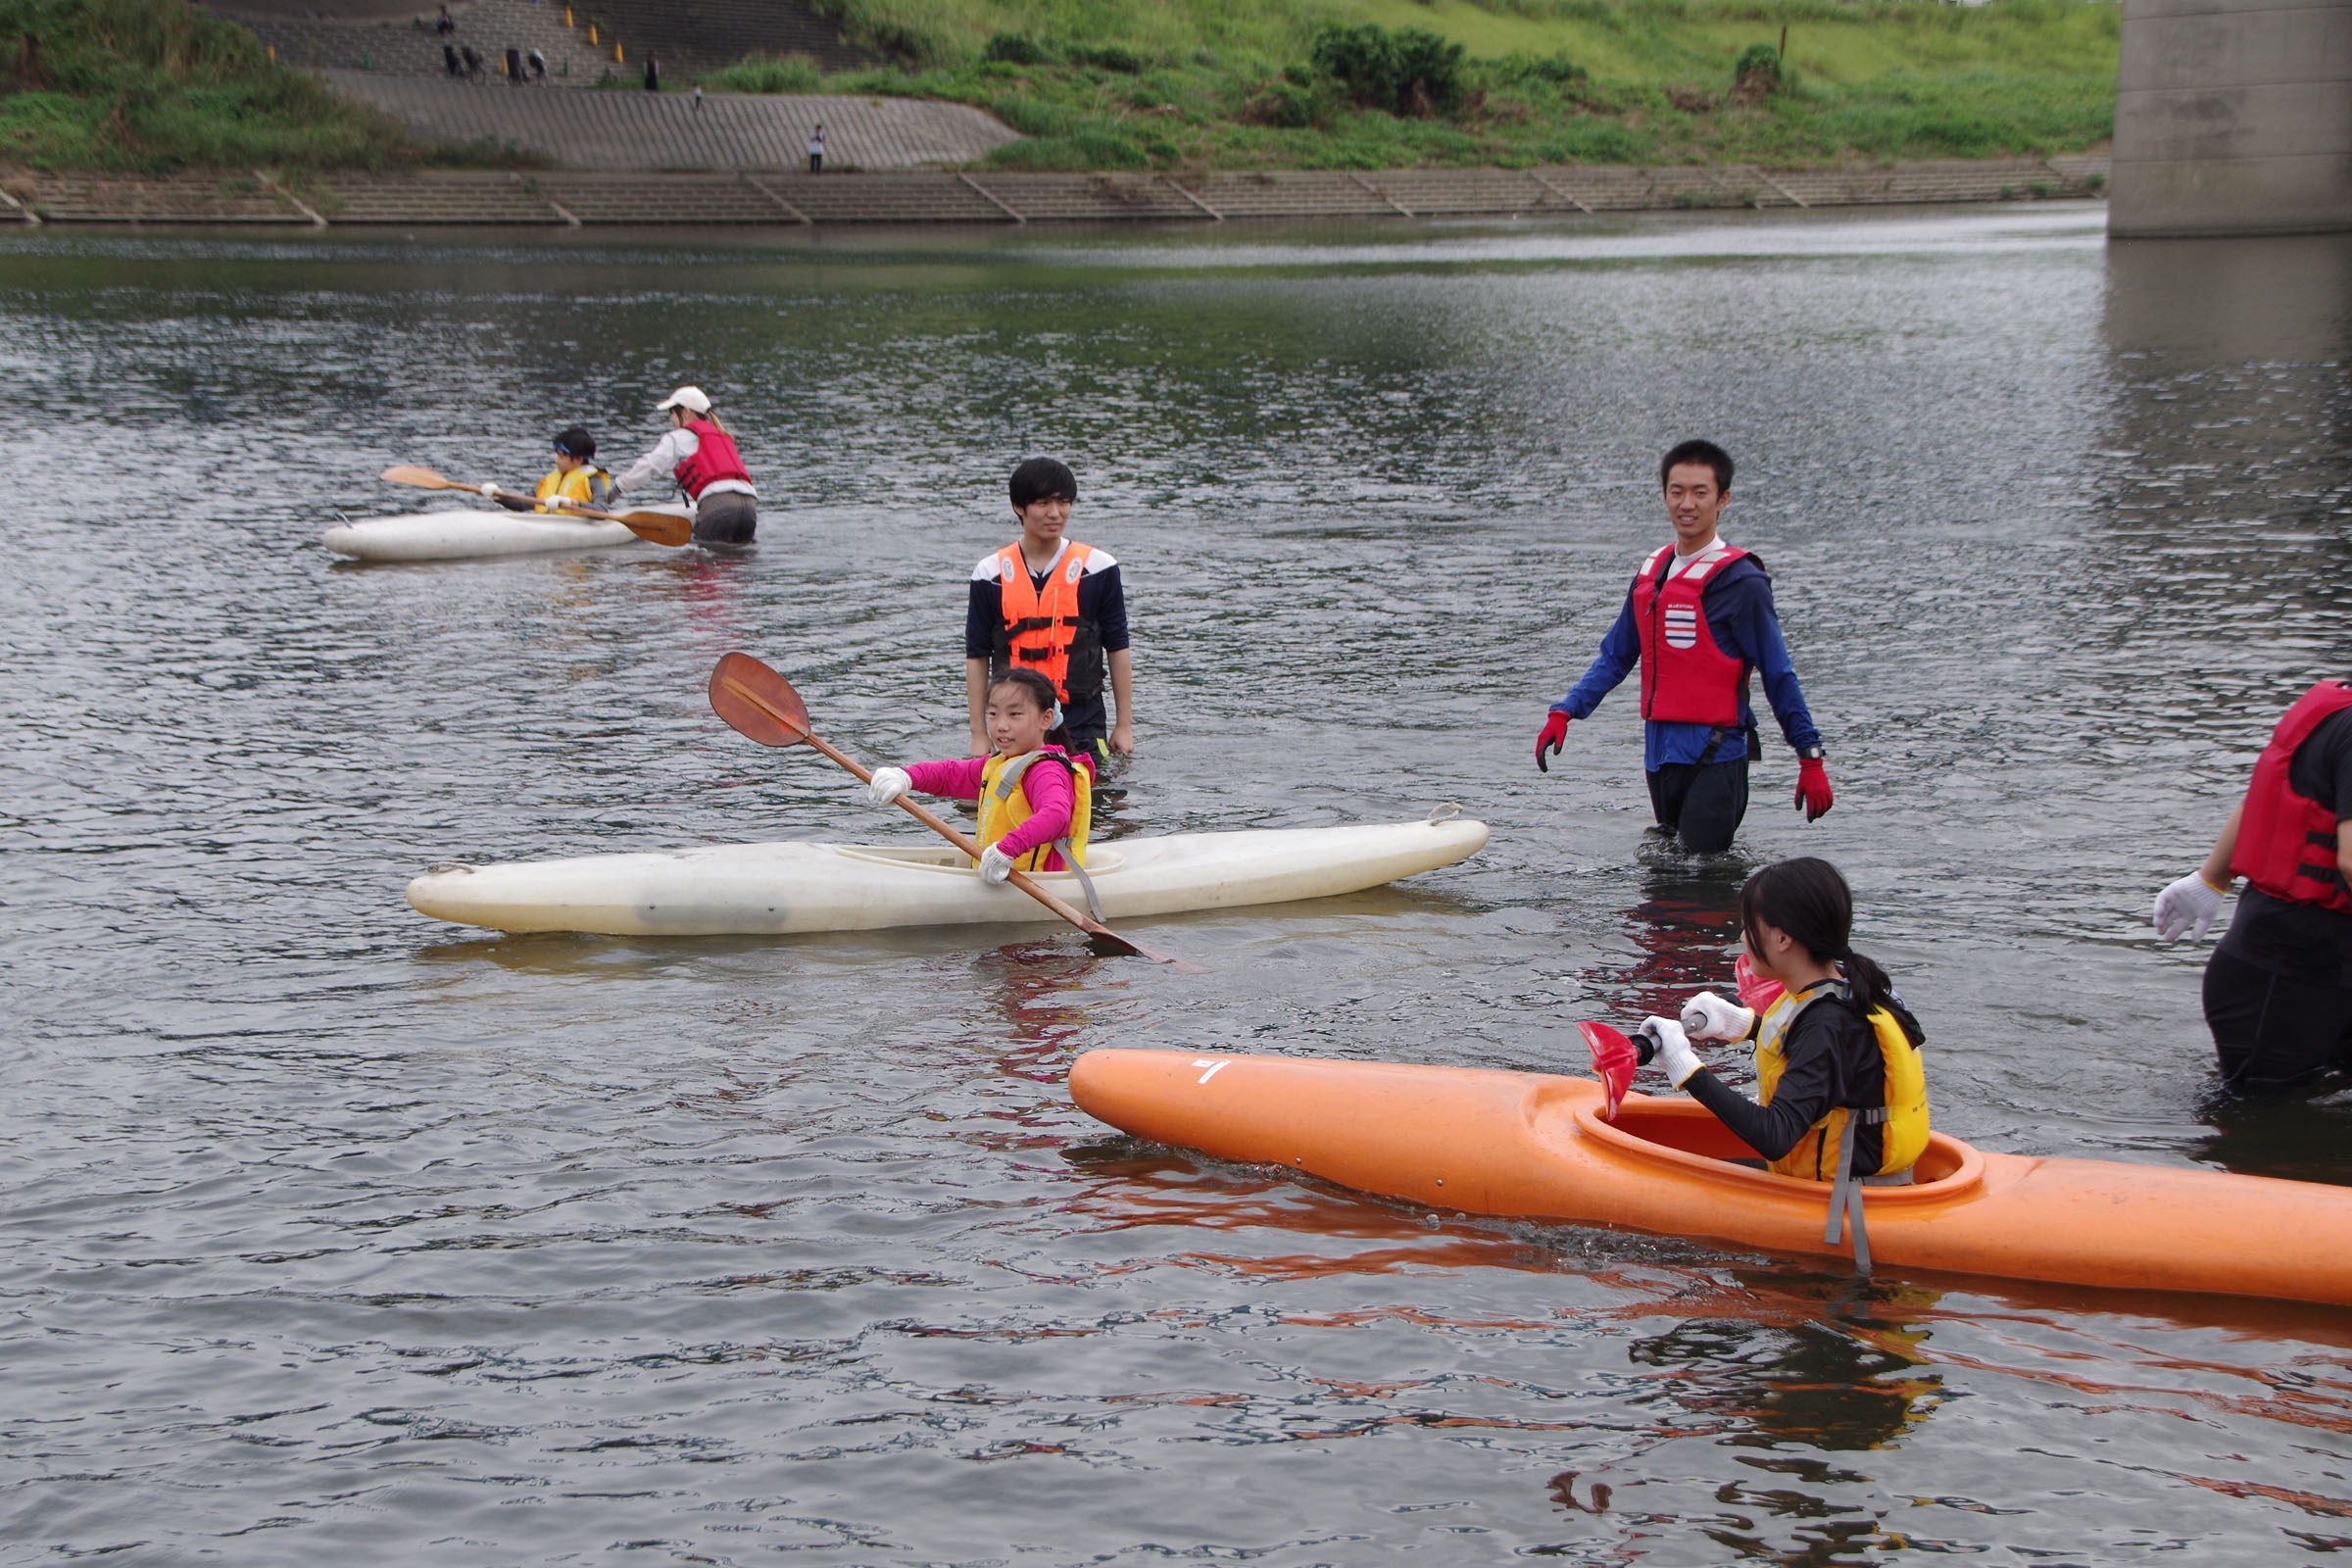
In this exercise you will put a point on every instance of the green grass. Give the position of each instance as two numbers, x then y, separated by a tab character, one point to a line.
1226	84
153	85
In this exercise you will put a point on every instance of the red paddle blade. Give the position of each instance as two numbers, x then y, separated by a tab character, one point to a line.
758	702
1614	1059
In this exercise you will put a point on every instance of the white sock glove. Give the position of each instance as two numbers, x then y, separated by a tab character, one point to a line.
887	785
1675	1058
1708	1016
995	865
2188	907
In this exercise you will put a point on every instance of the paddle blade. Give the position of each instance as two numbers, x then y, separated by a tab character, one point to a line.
757	702
1614	1059
421	478
662	528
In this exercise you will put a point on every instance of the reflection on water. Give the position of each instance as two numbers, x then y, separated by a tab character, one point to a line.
333	1230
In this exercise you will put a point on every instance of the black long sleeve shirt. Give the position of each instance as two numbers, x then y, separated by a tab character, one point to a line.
1832	1061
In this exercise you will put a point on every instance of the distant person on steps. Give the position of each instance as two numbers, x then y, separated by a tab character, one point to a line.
816	149
1698	619
700	454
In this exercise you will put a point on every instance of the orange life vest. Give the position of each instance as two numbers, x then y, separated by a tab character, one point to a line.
1042	626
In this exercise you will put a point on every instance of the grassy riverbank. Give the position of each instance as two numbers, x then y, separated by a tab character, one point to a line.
1143	84
152	85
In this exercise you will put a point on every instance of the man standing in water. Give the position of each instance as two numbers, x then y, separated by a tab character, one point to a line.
1697	618
1055	605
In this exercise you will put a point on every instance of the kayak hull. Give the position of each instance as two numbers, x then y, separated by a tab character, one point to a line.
1535	1145
467	535
783	888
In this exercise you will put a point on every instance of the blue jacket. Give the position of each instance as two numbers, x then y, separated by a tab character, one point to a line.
1739	614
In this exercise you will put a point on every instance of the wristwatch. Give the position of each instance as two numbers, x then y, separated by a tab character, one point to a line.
1809	753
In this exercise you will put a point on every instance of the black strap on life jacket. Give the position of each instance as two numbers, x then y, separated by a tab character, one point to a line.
1845	1189
1010	780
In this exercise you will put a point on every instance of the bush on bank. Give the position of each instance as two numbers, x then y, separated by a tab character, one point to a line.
152	85
1385	83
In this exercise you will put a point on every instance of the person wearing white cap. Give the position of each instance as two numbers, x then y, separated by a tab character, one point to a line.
698	452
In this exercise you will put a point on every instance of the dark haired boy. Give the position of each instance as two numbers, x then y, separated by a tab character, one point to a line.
1055	605
1697	618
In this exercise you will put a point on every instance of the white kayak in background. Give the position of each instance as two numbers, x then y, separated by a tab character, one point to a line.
459	535
775	889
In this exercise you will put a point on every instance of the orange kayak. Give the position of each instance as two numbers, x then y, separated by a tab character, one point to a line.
1535	1145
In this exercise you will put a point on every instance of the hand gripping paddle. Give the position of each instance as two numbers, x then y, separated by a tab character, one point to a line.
760	703
654	527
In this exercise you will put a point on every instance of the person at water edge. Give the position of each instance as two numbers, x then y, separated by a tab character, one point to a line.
816	149
1697	618
1053	605
1036	802
700	454
1842	1092
2279	985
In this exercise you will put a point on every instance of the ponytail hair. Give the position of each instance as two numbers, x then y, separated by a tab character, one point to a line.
1807	899
1040	692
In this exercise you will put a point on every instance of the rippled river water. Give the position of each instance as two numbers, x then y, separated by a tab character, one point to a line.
336	1234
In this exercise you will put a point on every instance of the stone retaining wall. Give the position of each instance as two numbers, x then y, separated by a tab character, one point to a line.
933	196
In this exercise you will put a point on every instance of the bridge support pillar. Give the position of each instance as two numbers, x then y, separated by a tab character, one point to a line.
2233	117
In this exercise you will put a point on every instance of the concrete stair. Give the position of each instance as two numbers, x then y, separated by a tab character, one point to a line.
785	197
689	39
634	129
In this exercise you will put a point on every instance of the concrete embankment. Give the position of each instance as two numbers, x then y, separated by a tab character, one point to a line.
940	196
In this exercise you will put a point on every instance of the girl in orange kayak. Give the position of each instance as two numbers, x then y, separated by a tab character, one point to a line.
1036	802
1844	1092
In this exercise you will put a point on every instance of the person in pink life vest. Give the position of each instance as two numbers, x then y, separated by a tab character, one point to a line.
2279	985
698	454
1698	617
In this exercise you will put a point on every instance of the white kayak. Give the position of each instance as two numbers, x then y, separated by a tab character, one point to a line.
772	889
459	535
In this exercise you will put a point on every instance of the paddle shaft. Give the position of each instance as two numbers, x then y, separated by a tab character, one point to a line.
944	829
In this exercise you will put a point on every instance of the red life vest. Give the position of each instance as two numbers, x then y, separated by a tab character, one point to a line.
714	459
1686	679
2287	841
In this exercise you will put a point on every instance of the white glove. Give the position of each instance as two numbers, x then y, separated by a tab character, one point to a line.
491	490
995	865
887	785
1708	1016
1675	1058
2188	907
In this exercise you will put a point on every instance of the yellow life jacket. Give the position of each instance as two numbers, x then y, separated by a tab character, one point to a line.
580	484
1902	1120
1005	806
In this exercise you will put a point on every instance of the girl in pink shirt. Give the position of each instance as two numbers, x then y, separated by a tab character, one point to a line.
1035	800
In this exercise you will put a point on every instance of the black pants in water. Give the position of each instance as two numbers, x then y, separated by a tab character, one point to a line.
729	517
1702	803
2271	1033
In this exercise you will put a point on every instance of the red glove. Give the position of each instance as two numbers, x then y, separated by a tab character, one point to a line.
1813	795
1555	735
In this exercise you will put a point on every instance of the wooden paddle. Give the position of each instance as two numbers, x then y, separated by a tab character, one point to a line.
654	527
760	703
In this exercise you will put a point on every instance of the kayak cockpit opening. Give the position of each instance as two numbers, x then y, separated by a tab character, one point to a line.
944	857
1686	1134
